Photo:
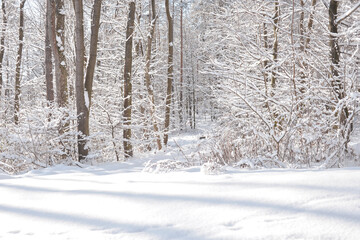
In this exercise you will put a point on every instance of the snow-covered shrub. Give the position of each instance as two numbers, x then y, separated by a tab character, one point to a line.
277	101
164	166
36	141
212	168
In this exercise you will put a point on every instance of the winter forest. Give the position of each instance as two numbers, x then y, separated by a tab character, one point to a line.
99	81
200	92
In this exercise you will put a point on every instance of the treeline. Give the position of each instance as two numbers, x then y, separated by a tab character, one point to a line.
92	81
286	74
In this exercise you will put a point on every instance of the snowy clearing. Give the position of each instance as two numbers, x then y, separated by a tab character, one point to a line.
113	202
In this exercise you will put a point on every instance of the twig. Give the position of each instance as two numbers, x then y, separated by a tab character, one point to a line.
181	150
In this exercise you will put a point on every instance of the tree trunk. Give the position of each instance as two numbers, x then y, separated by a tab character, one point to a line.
84	91
48	57
302	25
276	42
2	43
90	71
335	49
82	110
58	45
18	64
170	71
181	66
147	74
337	85
128	149
310	23
89	78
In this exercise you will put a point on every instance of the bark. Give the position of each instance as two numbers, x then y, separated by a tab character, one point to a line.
128	149
334	49
58	45
181	66
170	70
82	110
95	25
266	62
2	43
147	74
310	23
276	42
304	44
84	91
48	57
302	25
336	82
18	64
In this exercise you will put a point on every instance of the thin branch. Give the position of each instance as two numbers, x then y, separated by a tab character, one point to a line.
347	14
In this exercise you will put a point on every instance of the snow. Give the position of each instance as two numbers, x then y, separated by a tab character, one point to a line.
122	201
86	96
59	42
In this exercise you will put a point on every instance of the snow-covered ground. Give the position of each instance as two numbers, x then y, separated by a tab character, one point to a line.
121	201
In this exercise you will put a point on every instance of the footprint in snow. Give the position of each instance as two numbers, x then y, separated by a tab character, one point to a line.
232	226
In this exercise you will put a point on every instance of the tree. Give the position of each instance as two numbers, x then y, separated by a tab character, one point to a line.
170	70
2	43
57	36
84	92
336	82
128	149
18	64
48	55
149	87
181	65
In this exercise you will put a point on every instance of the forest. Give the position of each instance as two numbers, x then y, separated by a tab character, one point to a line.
87	82
180	119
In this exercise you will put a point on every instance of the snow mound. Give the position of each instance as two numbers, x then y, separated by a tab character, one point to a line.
212	168
165	166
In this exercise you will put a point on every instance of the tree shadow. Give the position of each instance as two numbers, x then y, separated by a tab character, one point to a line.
165	231
149	198
249	184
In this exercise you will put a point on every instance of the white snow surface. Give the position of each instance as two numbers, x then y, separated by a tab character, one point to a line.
86	96
121	201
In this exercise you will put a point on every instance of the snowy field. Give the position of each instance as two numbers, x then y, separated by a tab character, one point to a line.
120	201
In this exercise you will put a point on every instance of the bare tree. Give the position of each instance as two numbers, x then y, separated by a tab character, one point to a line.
128	149
170	70
79	85
84	91
18	64
338	86
48	55
276	41
181	65
150	90
2	42
57	36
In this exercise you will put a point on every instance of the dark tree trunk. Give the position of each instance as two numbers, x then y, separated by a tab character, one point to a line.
90	71
82	110
170	71
95	25
128	149
58	46
147	73
276	42
18	64
48	57
2	43
84	91
181	66
334	49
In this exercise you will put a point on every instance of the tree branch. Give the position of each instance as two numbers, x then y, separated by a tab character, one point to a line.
348	13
